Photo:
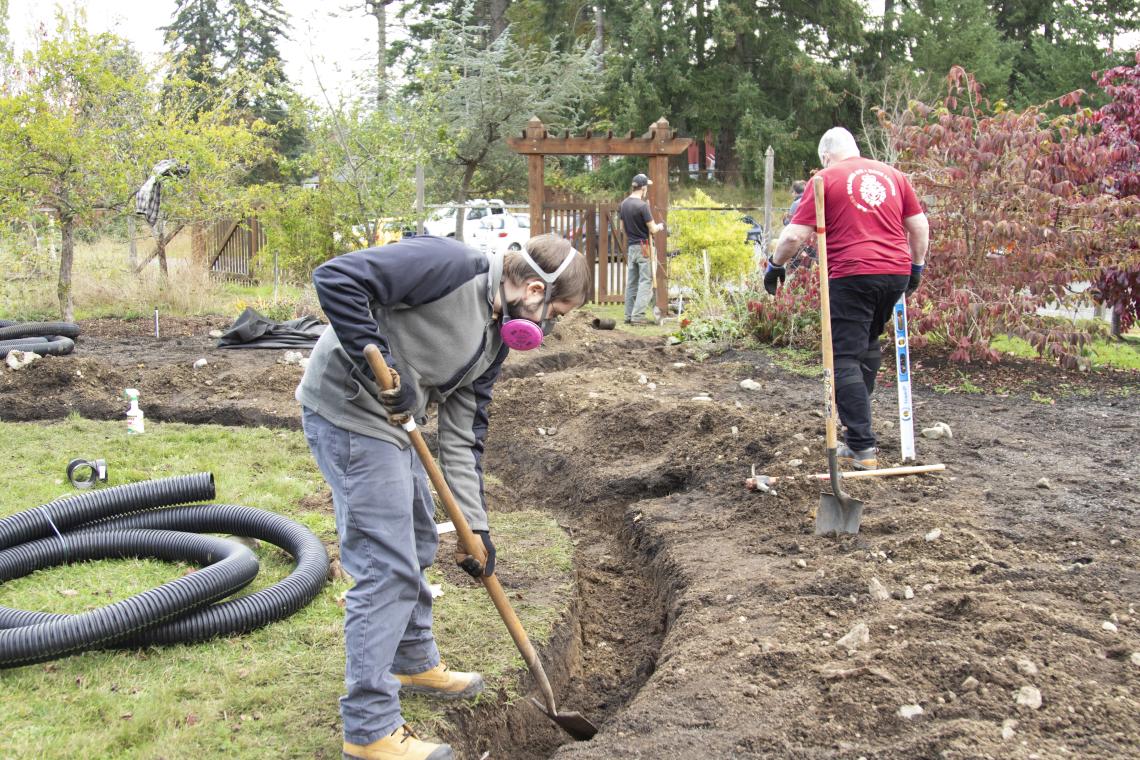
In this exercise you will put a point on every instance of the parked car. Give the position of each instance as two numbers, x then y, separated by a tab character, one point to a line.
442	222
499	233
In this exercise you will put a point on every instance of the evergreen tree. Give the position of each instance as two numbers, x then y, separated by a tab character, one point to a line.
254	28
197	41
947	33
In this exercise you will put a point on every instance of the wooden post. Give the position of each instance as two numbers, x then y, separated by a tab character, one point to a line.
603	254
419	199
769	167
536	178
659	203
132	248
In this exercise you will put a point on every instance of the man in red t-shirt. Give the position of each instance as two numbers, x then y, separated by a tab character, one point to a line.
877	235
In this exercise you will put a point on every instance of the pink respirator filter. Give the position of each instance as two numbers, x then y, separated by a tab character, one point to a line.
521	334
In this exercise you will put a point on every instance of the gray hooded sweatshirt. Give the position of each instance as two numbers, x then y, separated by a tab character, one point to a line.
427	303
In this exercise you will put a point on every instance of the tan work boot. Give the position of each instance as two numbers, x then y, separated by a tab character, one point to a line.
442	683
401	744
867	459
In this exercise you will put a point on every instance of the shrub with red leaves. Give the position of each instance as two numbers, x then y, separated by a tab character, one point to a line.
1021	209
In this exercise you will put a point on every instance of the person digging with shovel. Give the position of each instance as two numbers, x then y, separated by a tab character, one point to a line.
444	317
877	236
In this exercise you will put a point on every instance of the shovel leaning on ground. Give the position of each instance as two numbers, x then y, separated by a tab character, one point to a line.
838	512
572	723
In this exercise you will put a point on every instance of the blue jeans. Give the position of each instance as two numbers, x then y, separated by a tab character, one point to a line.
638	282
385	520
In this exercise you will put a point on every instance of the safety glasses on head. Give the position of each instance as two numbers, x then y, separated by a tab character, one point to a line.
520	333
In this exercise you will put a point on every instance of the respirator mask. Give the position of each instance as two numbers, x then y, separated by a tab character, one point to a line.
520	333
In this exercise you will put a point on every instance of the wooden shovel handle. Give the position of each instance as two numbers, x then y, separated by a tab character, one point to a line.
914	469
825	313
471	544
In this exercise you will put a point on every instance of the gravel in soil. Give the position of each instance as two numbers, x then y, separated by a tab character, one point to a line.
1009	626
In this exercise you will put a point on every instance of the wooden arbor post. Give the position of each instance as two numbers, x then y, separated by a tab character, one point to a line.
657	145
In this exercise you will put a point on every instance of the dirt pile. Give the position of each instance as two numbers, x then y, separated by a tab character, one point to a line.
998	587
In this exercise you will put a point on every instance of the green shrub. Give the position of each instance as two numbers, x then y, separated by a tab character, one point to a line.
302	228
720	233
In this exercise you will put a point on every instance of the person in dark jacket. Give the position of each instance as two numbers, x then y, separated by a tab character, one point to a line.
445	317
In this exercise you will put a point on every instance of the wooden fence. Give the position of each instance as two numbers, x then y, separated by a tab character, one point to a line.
231	246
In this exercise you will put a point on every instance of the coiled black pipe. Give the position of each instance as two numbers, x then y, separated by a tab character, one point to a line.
42	346
101	513
22	336
229	567
39	330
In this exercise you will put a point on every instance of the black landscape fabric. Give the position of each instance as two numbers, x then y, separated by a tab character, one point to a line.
251	330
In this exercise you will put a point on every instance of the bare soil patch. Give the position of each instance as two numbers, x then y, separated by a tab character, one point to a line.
709	616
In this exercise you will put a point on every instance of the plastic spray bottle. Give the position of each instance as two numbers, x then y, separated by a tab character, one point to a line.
135	421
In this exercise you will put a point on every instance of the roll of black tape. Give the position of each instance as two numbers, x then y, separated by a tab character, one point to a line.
85	473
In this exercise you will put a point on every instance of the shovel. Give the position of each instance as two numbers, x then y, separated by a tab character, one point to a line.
571	722
838	512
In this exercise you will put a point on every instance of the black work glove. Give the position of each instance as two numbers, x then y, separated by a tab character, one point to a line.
470	565
774	275
915	278
398	402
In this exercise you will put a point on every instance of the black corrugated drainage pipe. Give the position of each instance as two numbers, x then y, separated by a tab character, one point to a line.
129	521
44	338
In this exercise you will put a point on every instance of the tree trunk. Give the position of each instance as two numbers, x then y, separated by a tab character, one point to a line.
379	10
66	256
160	249
727	164
498	18
599	36
464	188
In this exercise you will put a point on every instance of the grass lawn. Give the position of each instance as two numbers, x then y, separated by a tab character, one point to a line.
1117	354
271	693
616	312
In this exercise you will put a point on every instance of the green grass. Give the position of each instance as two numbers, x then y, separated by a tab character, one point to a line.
616	312
798	361
271	693
1105	353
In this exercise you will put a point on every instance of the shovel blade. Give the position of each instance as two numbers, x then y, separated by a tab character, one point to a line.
837	515
572	723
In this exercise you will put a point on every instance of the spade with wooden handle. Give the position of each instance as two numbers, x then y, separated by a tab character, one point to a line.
571	722
838	512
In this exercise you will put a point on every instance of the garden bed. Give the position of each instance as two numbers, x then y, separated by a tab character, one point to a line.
708	615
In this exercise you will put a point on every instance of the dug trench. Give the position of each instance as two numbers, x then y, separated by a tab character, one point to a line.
986	612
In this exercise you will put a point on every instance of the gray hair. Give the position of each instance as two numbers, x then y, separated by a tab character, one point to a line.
838	143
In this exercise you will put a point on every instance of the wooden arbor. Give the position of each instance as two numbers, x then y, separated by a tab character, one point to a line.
657	145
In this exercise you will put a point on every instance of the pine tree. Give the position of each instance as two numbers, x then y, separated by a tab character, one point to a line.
254	28
197	40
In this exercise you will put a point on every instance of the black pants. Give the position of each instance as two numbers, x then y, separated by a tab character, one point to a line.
860	308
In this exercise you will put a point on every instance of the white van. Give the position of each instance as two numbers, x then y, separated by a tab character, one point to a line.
442	222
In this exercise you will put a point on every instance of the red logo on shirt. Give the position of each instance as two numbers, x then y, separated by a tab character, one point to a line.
867	189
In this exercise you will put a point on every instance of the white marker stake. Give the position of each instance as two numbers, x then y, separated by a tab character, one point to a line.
902	370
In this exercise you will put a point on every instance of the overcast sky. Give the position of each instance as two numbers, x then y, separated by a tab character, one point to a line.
331	39
341	42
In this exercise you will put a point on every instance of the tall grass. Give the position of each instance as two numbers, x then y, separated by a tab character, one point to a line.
104	285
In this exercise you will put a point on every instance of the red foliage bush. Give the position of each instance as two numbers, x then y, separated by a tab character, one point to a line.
1021	208
791	317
